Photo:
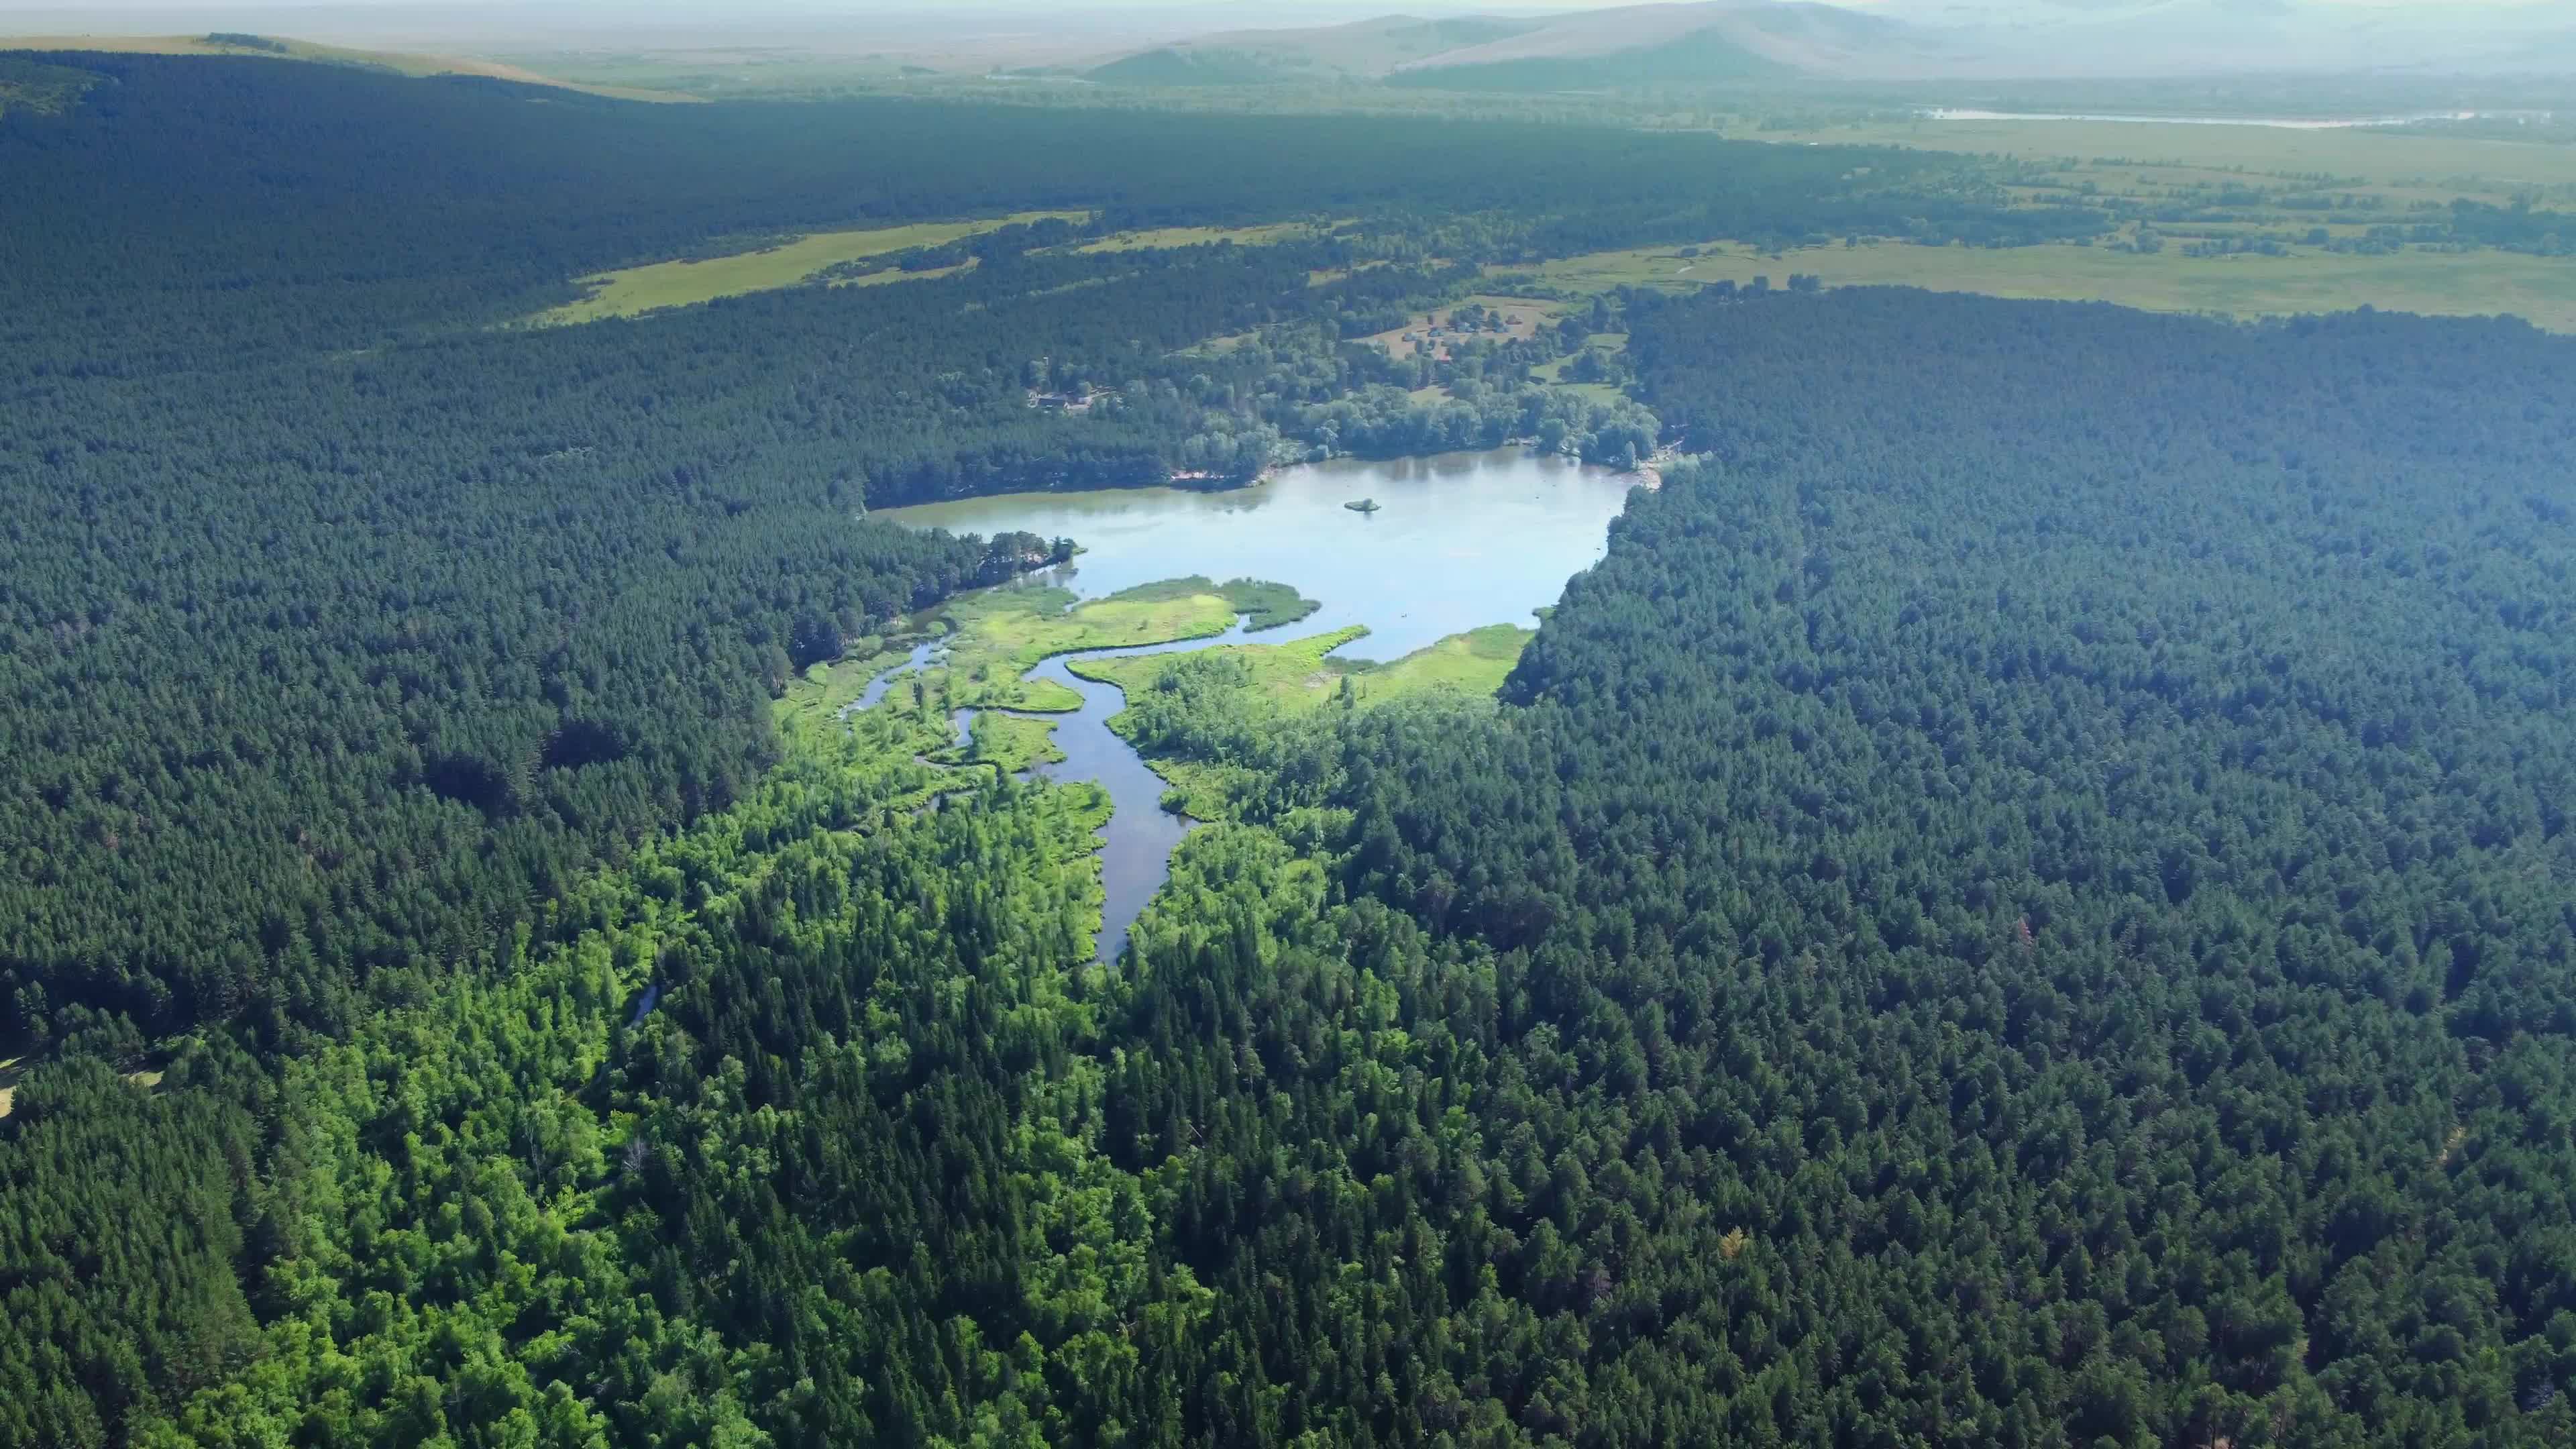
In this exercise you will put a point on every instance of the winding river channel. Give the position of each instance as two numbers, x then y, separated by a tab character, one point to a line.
1459	541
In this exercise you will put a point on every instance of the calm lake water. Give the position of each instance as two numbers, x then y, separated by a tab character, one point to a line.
1459	541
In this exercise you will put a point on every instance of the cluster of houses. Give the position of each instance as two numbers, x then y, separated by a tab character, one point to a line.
1435	335
1068	402
1439	333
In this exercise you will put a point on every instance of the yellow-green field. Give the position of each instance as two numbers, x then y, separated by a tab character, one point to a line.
1000	633
1010	743
637	290
1161	238
2542	290
400	62
2493	170
1298	675
896	274
1474	663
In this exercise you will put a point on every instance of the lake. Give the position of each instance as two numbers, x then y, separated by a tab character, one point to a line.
1459	541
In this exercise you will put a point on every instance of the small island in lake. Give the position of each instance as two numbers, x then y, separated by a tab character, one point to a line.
1365	505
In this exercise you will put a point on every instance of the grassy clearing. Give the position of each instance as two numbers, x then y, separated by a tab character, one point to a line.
897	274
634	291
1011	743
1326	276
1523	317
1167	237
1264	605
1473	663
1293	675
2248	181
827	689
1298	675
2541	290
2488	170
399	62
999	634
1219	346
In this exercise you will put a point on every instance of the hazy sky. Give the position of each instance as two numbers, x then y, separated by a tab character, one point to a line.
1232	11
581	23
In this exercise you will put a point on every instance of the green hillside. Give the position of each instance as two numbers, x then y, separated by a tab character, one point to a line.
1706	57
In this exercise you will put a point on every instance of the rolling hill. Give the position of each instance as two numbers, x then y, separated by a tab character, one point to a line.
1362	50
1722	40
1728	41
222	43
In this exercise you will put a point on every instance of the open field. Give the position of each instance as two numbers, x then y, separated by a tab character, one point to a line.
1260	602
897	274
2488	170
398	61
1161	238
1523	316
636	290
2541	290
1299	675
999	633
2266	187
1474	663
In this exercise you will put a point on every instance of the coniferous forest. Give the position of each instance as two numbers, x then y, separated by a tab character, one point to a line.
2025	901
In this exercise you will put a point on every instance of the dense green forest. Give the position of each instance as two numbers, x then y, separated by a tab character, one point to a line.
339	625
2024	901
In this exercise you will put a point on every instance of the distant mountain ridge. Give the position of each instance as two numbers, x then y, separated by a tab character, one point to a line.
1720	41
1669	43
1361	50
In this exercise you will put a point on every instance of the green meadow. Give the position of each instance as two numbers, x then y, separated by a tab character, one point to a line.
2541	290
633	291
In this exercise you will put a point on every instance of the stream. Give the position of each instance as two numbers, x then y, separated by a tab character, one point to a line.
1460	540
1136	845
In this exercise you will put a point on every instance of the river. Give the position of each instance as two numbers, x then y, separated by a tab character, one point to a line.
1459	541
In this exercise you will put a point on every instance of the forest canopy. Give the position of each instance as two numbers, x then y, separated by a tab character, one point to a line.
2024	901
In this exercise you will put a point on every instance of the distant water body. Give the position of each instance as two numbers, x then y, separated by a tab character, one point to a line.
1459	540
2284	123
